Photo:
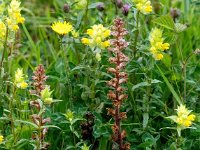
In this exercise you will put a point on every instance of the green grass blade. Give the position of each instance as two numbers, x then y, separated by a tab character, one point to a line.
169	86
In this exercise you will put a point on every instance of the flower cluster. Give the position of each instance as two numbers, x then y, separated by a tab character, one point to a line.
157	44
39	78
144	6
97	39
184	118
19	79
14	15
98	35
10	21
117	95
46	95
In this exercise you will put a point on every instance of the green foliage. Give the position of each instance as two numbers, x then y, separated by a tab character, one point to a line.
78	80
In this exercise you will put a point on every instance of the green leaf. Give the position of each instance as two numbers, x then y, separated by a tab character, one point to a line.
170	86
145	120
165	22
27	122
143	84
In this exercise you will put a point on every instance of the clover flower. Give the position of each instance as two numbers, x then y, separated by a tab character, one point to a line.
184	118
157	44
14	15
62	27
144	6
1	138
20	79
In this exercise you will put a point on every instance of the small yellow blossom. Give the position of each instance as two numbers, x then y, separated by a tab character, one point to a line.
97	37
20	79
1	138
85	41
69	115
183	118
157	45
62	27
46	95
144	6
14	15
23	85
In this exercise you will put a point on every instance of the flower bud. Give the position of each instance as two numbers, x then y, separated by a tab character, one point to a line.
125	9
175	13
119	3
66	8
100	6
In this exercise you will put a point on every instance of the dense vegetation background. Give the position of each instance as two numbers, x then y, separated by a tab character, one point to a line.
79	119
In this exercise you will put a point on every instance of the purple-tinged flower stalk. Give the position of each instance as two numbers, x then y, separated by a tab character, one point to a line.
118	44
39	79
43	93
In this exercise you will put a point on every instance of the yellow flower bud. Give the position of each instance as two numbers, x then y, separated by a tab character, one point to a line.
85	41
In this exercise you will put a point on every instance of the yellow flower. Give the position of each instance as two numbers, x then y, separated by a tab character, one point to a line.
23	85
183	118
14	15
62	27
85	41
19	79
69	115
46	95
19	76
157	45
98	34
144	6
105	44
1	138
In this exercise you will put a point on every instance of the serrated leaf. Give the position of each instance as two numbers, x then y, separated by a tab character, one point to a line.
165	22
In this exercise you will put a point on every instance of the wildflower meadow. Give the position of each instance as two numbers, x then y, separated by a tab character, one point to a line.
99	75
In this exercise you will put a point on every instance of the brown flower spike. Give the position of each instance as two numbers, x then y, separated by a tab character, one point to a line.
39	79
118	44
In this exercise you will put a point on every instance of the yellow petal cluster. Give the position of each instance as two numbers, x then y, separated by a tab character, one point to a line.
184	118
46	95
157	44
14	15
97	37
144	6
62	28
20	79
1	138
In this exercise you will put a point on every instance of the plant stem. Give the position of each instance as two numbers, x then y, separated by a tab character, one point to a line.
136	34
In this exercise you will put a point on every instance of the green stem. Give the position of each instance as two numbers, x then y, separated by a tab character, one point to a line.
136	34
11	117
